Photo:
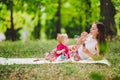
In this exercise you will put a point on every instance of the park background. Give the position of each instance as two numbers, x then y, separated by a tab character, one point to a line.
28	29
43	19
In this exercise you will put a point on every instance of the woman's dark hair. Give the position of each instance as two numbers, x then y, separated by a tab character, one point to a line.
101	37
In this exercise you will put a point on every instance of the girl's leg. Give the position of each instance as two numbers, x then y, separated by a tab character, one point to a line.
47	55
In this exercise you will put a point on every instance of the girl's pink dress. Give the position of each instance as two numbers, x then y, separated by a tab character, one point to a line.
60	47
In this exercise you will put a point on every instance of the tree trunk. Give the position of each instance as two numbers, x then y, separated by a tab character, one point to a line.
107	12
37	31
58	26
37	28
11	33
88	15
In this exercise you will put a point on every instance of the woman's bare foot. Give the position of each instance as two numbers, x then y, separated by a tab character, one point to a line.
76	57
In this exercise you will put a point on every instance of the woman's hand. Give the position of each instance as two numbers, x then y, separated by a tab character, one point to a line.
80	41
82	38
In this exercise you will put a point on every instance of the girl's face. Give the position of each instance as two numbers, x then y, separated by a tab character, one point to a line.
66	40
94	30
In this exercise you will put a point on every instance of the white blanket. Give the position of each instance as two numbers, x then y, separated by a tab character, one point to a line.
10	61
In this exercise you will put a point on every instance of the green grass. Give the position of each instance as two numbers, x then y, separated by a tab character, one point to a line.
65	71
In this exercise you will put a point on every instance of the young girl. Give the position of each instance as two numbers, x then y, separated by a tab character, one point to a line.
61	51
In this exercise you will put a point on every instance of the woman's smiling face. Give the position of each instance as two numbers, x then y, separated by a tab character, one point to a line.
94	30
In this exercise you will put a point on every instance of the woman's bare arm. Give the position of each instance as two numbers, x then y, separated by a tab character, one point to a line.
82	38
95	57
85	50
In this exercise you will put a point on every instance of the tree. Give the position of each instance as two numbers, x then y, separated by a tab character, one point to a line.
117	15
32	8
11	33
58	26
108	12
53	22
56	21
38	26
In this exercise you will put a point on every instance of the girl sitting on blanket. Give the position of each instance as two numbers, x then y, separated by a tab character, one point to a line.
61	51
93	45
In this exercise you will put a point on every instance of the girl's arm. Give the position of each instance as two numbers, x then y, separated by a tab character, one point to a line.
54	50
60	51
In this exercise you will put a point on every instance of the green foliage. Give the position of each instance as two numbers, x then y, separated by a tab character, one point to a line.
82	16
117	16
117	20
3	18
103	48
50	9
25	22
76	16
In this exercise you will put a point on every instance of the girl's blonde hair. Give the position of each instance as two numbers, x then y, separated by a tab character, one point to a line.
61	37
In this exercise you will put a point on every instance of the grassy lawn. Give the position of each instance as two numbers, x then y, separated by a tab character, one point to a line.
65	71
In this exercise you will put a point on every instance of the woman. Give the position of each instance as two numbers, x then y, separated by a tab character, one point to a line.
94	45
